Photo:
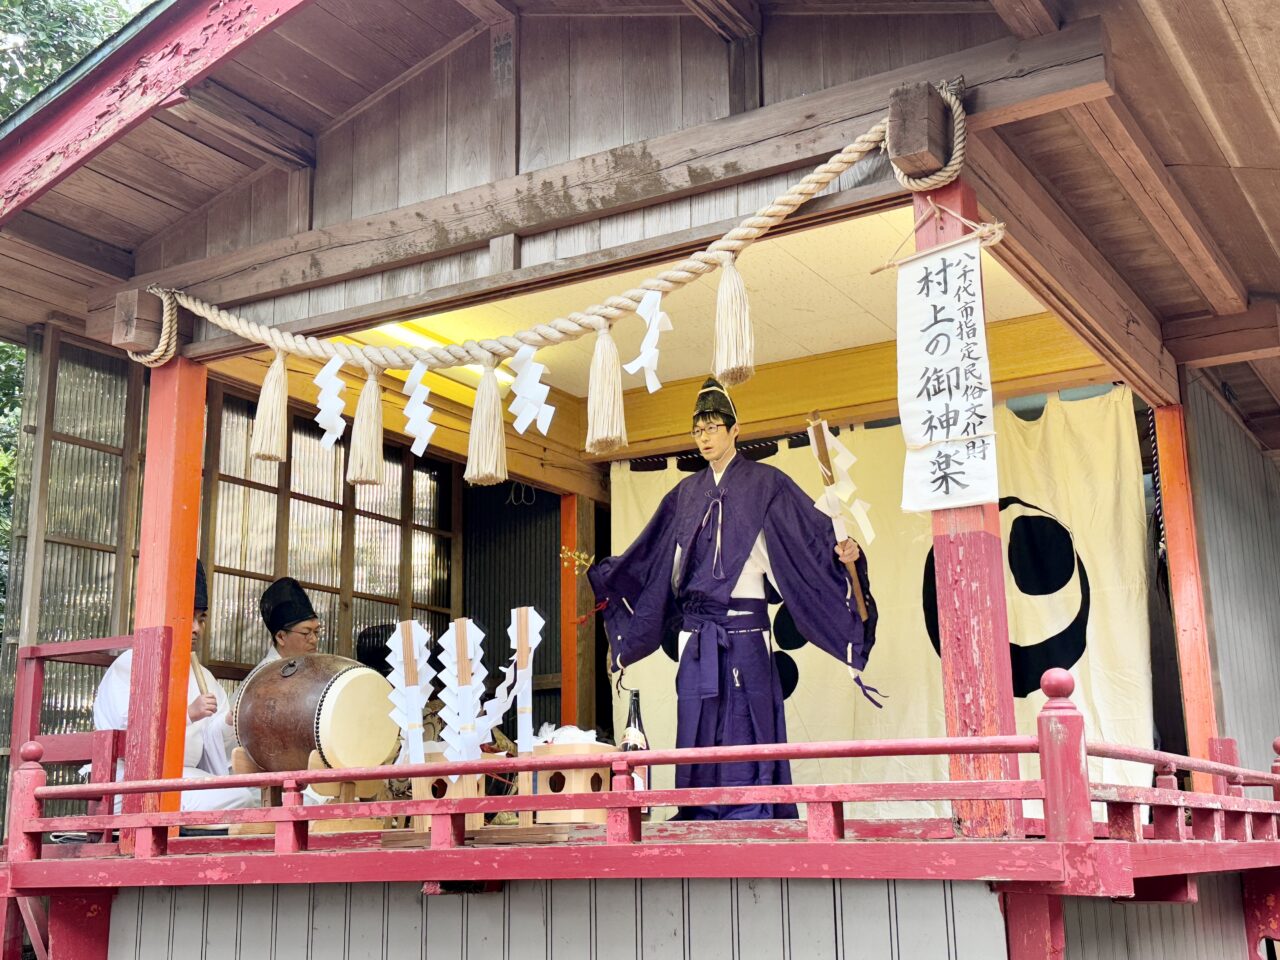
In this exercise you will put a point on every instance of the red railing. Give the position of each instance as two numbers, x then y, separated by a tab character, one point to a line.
1227	830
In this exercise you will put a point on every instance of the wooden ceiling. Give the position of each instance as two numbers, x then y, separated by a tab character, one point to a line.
812	292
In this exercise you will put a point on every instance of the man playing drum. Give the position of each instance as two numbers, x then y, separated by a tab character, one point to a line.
206	748
290	620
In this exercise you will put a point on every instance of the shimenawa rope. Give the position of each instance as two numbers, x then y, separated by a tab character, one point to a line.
734	350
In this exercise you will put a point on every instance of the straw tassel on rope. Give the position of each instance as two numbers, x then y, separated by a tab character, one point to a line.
734	351
486	446
606	418
271	423
735	354
364	458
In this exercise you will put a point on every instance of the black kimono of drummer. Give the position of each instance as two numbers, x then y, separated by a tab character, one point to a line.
290	620
723	544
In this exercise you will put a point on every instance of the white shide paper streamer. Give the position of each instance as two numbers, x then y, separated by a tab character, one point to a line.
330	402
417	414
657	323
838	498
529	393
408	701
461	712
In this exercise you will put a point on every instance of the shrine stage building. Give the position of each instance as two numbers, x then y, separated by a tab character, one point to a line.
1074	753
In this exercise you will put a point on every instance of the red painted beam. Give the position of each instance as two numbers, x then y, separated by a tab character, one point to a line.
977	678
839	749
179	48
616	800
61	650
903	860
1158	858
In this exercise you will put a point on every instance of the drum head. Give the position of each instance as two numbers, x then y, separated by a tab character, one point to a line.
354	726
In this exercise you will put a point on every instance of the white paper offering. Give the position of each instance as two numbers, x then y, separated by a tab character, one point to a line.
656	324
330	403
944	380
417	414
529	394
409	699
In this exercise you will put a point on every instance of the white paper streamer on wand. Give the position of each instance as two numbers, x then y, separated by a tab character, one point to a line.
417	415
408	701
658	323
524	679
330	402
838	496
461	713
529	393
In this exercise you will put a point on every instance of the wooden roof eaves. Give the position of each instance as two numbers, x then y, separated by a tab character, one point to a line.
87	64
171	44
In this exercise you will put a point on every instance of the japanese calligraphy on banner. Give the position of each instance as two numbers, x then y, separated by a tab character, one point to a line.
944	380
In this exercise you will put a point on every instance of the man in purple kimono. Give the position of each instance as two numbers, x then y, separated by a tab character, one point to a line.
725	543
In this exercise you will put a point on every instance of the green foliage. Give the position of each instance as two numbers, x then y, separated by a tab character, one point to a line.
42	39
12	364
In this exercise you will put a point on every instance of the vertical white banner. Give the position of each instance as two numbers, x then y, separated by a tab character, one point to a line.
944	380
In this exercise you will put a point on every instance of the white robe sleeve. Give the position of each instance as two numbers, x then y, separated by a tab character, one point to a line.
214	753
111	703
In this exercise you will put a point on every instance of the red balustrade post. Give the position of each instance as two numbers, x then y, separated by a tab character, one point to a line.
291	835
1222	750
152	841
24	805
622	824
1063	762
1167	819
448	830
825	821
28	695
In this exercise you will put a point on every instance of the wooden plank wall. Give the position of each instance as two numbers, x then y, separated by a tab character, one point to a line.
269	204
579	96
1236	491
1211	929
586	84
564	920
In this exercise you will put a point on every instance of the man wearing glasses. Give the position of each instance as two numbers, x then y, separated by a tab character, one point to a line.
290	619
724	544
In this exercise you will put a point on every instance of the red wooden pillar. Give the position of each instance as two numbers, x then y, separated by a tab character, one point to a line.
1195	665
1261	893
166	573
568	610
80	925
972	621
1033	926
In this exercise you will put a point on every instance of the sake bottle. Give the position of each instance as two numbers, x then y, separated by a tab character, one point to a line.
633	738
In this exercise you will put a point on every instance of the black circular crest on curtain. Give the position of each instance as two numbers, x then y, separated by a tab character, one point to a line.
1042	557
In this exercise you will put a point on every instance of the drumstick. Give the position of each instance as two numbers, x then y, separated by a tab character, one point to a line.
198	671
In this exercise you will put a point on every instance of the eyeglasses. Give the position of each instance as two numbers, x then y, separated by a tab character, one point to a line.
710	430
308	634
